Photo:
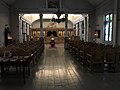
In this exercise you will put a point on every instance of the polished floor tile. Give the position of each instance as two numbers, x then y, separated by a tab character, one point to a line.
57	70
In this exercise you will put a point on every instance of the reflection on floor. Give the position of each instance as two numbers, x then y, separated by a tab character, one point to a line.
56	70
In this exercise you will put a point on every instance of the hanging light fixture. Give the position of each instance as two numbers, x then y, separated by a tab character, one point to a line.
58	13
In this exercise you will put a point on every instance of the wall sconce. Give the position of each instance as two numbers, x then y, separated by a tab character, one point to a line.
9	37
97	34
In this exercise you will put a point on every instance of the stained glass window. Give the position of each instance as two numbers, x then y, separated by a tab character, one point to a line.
108	27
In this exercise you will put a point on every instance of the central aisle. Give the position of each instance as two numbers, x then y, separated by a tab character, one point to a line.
57	71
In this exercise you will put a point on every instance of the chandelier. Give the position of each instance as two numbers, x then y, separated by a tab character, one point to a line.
58	13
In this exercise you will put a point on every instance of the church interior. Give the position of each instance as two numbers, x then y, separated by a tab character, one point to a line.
59	45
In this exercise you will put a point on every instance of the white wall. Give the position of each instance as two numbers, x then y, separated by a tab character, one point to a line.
4	19
118	24
14	18
100	13
47	23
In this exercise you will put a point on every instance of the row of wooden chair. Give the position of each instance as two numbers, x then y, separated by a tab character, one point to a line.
21	58
96	57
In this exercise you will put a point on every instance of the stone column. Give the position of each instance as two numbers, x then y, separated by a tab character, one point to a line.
91	26
66	28
25	24
24	30
41	28
115	23
20	30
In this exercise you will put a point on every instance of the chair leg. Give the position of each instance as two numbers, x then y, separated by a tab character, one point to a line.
24	79
2	71
29	69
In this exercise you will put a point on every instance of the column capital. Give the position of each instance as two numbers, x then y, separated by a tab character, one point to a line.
41	14
66	16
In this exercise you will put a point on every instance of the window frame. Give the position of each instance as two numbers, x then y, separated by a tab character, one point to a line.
109	39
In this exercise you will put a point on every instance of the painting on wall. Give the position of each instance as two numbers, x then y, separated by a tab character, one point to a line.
52	4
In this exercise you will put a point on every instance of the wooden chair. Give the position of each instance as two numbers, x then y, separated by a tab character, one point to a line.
110	59
95	61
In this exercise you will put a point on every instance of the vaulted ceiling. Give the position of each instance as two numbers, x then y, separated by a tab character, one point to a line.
93	2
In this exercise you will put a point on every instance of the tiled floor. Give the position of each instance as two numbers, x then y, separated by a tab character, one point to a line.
56	70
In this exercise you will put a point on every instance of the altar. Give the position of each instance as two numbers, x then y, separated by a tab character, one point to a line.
52	42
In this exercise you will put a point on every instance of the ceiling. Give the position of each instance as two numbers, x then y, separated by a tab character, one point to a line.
72	17
9	2
93	2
